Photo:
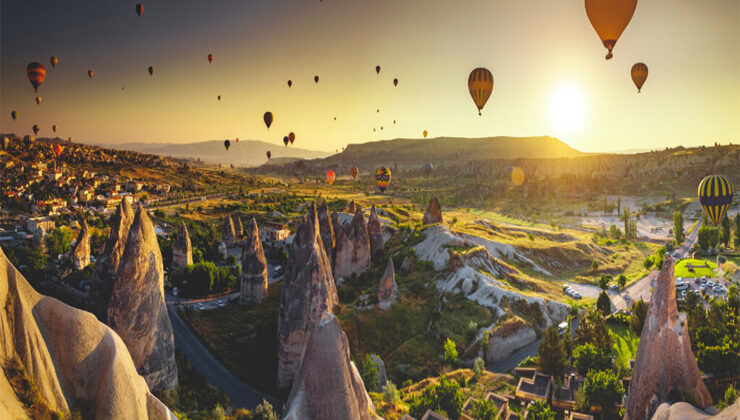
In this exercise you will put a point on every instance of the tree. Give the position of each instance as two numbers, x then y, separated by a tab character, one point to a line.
706	237
602	388
737	230
552	355
639	312
390	393
540	410
626	218
264	411
446	397
604	281
724	231
369	373
603	303
593	329
731	395
588	357
619	204
678	227
449	352
478	367
622	281
483	410
59	241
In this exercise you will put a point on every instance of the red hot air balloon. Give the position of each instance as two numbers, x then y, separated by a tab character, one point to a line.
237	139
90	74
268	119
291	137
139	9
330	175
57	149
36	73
354	171
210	58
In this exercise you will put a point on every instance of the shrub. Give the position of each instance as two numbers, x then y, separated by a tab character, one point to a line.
449	352
369	373
478	367
390	393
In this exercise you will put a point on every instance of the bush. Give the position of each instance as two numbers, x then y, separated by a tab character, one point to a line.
446	397
483	410
449	352
369	373
540	410
478	367
588	357
390	393
603	303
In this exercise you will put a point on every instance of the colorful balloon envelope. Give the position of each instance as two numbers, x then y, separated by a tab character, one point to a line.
90	74
715	196
480	85
14	114
36	73
227	144
291	137
57	149
35	129
425	133
354	171
38	100
269	155
639	75
139	9
268	119
286	140
609	19
383	178
53	60
330	175
210	58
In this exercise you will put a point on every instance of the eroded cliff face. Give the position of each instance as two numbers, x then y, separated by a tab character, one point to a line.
433	213
182	249
76	362
326	229
375	231
353	249
664	358
254	268
81	252
686	411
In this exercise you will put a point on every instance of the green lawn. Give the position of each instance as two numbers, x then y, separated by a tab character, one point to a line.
683	271
625	344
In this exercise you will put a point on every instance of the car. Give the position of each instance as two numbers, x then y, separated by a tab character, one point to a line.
220	303
562	327
681	286
614	287
566	287
627	298
577	295
704	280
710	283
703	287
200	306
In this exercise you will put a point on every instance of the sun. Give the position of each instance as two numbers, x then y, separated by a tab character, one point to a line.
567	109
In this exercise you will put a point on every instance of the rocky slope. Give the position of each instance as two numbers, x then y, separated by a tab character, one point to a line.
81	252
353	249
75	361
254	268
182	250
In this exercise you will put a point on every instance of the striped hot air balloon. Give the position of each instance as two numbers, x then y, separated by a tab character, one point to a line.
36	73
354	171
639	75
480	85
383	178
715	195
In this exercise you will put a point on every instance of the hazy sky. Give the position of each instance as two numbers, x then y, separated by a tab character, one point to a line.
548	64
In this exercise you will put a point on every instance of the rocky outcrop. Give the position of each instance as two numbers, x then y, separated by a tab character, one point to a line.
229	235
352	207
686	411
81	252
433	213
327	231
382	374
328	385
76	362
337	228
137	311
374	231
508	338
254	268
182	250
238	227
353	249
664	359
308	291
388	289
101	283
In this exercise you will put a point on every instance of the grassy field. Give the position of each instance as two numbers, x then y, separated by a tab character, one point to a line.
625	344
683	271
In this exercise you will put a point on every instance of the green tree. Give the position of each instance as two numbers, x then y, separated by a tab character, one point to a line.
446	397
589	357
678	227
603	303
626	219
724	231
602	388
369	373
449	352
731	395
604	281
622	281
552	355
390	393
59	241
639	313
540	410
593	329
264	411
737	230
483	410
478	367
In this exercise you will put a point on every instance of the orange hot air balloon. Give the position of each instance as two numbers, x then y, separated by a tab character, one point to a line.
330	175
639	75
139	9
291	137
210	58
90	74
383	178
480	85
609	19
36	73
53	60
38	100
57	149
237	139
354	171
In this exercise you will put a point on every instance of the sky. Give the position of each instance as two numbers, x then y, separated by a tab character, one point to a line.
548	64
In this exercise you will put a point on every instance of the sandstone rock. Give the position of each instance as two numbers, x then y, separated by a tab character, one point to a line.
308	291
327	231
101	283
433	213
352	207
686	411
39	239
81	251
182	250
238	227
254	268
388	289
405	265
76	362
229	235
353	249
328	385
137	311
337	228
375	232
507	339
382	375
664	358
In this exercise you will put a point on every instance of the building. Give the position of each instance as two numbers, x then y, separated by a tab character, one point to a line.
564	397
578	416
433	415
501	402
35	223
274	232
536	389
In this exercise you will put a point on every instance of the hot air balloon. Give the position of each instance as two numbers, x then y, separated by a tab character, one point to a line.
69	140
378	111
227	144
395	82
53	60
383	178
290	83
14	114
480	85
609	19
38	100
316	79
150	70
210	58
428	168
268	119
237	139
381	127
6	142
335	118
425	133
377	69
36	73
35	129
219	97
269	155
139	9
330	175
28	140
373	130
286	140
57	149
518	176
90	74
291	137
394	121
354	171
54	128
639	75
715	196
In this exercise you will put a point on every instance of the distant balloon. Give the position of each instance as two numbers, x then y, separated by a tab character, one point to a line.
139	9
219	97
316	79
210	58
381	127
715	195
609	19
354	171
286	140
377	69
428	168
28	140
36	73
395	82
291	137
54	128
383	178
269	155
90	74
639	75
227	144
57	149
237	139
480	85
425	133
518	176
38	100
69	140
373	130
36	129
330	175
53	60
290	83
14	114
150	70
394	121
378	111
335	118
268	119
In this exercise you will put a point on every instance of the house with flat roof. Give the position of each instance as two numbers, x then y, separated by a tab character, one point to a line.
500	401
564	396
433	415
578	416
536	389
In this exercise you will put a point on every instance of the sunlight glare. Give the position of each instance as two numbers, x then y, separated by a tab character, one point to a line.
567	109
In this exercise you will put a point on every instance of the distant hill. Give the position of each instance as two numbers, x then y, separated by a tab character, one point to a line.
244	153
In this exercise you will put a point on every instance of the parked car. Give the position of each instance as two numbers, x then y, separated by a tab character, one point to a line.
682	286
703	287
566	287
220	303
710	283
200	306
614	287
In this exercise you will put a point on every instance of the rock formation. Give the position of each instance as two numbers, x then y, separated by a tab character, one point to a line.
352	207
81	252
374	231
238	227
254	268
337	228
182	250
308	291
686	411
229	235
328	385
137	311
76	362
664	358
327	231
507	338
433	213
101	283
382	374
388	289
353	249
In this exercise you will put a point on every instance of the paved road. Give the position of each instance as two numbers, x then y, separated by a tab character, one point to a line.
241	394
531	350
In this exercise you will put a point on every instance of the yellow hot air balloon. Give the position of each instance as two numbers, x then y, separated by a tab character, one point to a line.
715	195
383	178
609	19
639	75
425	133
480	85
